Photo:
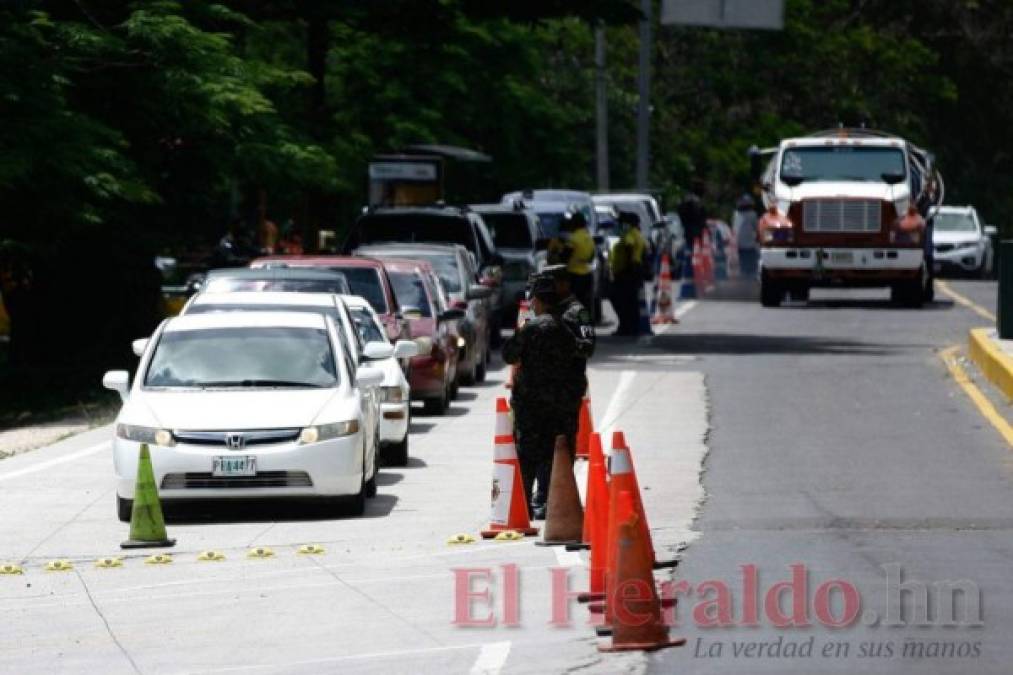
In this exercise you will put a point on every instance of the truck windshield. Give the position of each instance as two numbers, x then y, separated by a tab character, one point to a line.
842	163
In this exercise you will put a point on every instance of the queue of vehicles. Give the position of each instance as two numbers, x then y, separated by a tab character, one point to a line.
294	376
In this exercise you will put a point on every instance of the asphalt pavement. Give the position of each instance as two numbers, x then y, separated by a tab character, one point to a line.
840	443
828	436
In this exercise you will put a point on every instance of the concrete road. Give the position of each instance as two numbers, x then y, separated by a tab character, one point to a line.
382	598
827	435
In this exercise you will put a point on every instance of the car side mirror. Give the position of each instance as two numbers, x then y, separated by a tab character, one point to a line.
138	346
425	345
405	349
991	230
118	381
452	314
369	377
478	292
377	351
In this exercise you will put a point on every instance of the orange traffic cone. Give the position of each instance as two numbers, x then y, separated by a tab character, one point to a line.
564	516
584	428
622	449
590	493
664	307
596	520
632	595
509	507
707	251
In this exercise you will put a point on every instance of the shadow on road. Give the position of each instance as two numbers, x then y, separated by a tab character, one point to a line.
749	343
216	512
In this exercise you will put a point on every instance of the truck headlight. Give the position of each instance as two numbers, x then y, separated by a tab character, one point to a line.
149	435
391	394
325	432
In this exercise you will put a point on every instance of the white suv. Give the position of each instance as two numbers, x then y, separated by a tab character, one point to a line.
961	242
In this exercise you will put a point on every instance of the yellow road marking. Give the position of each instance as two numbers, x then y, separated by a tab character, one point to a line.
966	302
979	399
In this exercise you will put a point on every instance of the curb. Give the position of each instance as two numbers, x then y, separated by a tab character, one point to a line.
996	365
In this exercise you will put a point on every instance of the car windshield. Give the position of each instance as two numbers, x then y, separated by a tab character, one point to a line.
251	356
638	207
445	265
366	283
842	162
368	329
414	227
550	223
208	308
410	291
509	230
230	285
954	222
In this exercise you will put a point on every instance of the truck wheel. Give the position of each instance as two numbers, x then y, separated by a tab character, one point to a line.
771	292
124	507
908	294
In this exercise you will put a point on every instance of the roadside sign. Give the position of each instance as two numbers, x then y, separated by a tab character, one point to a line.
758	14
405	170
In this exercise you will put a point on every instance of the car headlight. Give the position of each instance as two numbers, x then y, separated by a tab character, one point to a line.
325	432
391	394
152	436
461	342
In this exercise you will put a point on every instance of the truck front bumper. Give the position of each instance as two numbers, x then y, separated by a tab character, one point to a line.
841	264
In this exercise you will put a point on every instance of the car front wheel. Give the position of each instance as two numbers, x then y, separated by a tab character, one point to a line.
124	507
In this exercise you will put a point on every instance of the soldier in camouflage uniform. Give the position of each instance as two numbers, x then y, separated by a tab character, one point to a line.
577	318
544	349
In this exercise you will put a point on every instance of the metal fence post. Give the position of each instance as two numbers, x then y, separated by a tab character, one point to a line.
1005	310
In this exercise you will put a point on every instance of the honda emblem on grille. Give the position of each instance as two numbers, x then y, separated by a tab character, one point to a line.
234	440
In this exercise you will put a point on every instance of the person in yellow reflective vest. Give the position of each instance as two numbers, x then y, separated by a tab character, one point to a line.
626	262
578	251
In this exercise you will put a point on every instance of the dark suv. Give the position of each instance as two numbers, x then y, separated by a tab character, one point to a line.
520	241
436	225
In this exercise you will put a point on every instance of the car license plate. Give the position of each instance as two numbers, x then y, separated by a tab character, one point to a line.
244	465
841	256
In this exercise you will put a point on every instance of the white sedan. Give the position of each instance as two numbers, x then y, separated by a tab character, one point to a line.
395	409
248	404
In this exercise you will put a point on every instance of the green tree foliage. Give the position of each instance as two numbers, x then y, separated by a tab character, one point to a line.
133	127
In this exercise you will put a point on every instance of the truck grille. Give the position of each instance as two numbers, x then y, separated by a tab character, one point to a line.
263	479
841	215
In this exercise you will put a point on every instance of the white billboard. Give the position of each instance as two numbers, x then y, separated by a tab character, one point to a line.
761	14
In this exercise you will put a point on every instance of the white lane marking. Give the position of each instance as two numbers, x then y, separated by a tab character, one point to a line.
616	405
42	466
568	558
348	657
684	309
491	658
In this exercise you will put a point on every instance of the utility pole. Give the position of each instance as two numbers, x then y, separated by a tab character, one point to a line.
644	105
602	109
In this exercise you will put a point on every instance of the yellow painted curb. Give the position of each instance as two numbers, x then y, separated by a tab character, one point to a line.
996	365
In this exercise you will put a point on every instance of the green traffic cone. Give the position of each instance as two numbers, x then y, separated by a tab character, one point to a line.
147	526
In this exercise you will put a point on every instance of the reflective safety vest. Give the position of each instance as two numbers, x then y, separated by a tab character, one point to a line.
582	245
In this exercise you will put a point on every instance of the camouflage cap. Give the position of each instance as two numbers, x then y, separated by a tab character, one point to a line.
543	286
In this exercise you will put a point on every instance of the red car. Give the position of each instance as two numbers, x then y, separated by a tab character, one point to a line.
433	375
366	277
